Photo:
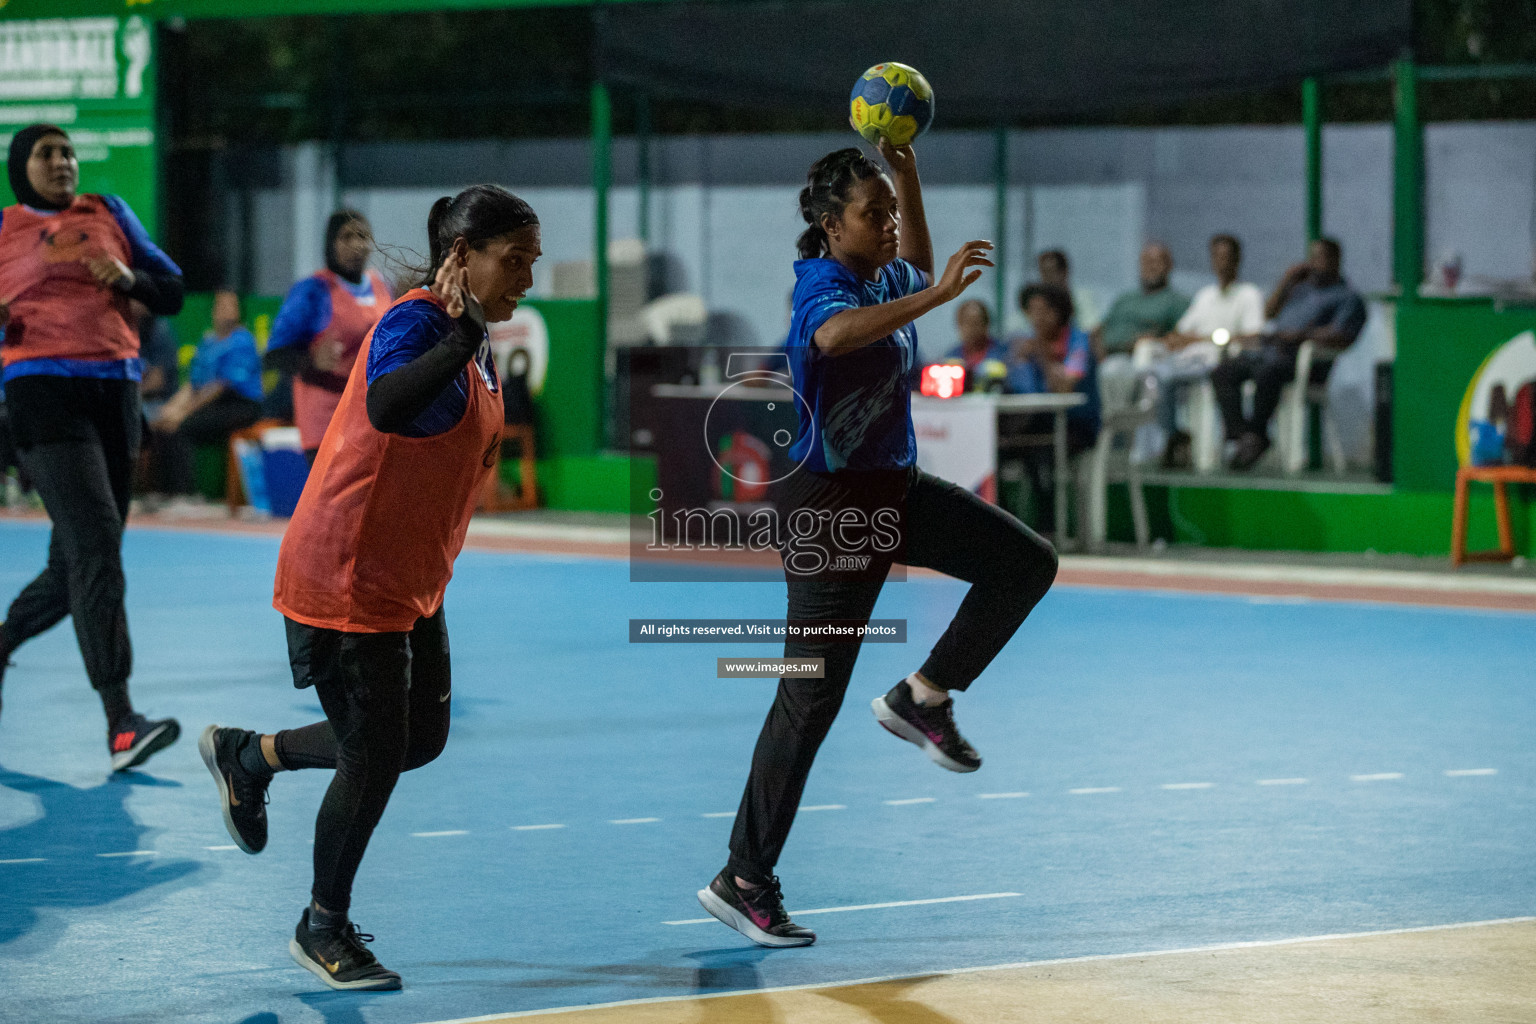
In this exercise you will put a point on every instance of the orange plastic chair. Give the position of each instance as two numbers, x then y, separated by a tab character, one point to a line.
495	498
234	493
1501	477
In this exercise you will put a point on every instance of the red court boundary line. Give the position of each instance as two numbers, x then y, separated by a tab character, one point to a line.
1208	581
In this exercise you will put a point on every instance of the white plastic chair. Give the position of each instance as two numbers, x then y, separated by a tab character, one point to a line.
1292	422
1109	461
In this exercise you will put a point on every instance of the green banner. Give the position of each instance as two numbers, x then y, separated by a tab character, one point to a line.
95	78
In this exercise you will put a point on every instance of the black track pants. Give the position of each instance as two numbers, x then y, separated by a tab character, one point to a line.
77	440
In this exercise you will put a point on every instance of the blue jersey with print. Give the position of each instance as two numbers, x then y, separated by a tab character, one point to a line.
857	411
232	360
405	332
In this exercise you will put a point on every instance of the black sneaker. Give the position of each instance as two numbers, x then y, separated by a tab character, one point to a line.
136	738
243	796
757	913
931	727
338	957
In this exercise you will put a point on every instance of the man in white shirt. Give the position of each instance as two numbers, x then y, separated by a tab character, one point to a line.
1223	312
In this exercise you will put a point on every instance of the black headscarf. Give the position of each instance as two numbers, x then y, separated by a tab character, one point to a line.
16	165
339	220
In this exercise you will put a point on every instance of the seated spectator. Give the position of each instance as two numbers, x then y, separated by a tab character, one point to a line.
983	356
1236	309
222	395
1057	357
1055	270
1313	303
1152	311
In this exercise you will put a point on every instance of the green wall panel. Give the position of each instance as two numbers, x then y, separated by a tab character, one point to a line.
1440	344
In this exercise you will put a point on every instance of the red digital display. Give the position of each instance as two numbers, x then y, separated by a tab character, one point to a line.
942	380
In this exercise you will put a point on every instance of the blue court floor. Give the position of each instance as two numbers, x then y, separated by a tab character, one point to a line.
1161	772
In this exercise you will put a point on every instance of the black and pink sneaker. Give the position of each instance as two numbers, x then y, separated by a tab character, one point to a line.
930	727
757	913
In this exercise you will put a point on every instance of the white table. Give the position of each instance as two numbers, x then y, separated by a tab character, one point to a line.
935	410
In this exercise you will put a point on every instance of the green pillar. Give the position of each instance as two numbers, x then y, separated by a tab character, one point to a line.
643	164
1407	181
602	174
1000	227
1312	123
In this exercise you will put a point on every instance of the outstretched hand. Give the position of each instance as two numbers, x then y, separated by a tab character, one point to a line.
963	268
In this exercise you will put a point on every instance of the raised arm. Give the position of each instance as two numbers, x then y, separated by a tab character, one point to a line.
853	329
916	245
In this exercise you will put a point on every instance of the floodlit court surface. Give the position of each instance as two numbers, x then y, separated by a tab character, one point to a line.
1210	794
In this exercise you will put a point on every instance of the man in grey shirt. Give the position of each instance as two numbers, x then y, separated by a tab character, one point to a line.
1311	303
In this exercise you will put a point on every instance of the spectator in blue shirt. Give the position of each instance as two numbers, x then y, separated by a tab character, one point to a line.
222	395
1313	303
983	356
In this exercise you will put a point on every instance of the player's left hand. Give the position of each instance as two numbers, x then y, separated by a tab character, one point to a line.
108	271
451	285
899	159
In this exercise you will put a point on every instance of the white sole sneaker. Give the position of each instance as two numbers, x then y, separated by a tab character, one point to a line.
206	749
732	918
899	726
296	951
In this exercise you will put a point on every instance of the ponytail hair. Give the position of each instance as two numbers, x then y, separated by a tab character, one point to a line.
477	215
826	191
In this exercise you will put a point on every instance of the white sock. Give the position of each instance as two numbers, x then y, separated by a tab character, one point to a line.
924	692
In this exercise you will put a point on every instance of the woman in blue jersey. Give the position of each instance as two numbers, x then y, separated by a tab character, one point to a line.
865	273
321	326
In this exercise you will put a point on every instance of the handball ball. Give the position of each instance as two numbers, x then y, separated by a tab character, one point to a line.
891	101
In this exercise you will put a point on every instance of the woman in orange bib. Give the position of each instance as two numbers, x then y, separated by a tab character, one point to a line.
363	566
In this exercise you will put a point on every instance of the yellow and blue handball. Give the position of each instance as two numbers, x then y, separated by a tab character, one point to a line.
891	101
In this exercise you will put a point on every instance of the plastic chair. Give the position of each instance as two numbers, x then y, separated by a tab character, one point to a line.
1109	461
1292	419
1501	477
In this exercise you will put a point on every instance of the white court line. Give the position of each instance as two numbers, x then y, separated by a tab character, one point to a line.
631	821
1000	796
1097	958
221	847
723	814
873	906
1376	777
129	853
1283	782
909	800
533	828
1456	772
24	860
445	832
823	807
1188	785
1094	789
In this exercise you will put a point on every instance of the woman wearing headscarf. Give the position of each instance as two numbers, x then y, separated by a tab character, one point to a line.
321	326
70	263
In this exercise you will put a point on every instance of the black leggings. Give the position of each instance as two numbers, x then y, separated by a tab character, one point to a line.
385	697
945	528
78	440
